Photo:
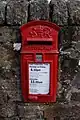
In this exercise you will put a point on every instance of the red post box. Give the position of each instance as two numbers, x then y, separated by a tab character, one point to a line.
39	61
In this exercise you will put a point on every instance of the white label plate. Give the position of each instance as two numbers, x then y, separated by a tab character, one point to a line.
39	78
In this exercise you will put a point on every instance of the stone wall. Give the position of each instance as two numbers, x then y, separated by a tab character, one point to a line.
66	14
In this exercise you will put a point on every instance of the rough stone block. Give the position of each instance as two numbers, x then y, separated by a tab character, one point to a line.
75	96
7	37
28	119
76	81
8	85
5	63
1	118
10	96
69	64
3	97
59	12
65	36
76	33
74	47
10	118
8	110
77	46
62	112
14	96
13	118
39	10
2	11
69	69
74	11
9	59
9	62
31	119
30	112
17	12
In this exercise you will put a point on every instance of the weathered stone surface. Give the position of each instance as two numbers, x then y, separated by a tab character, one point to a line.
3	97
39	10
30	112
13	118
76	81
31	119
65	36
14	96
24	119
62	112
9	73
75	96
76	33
7	38
69	70
17	12
8	84
69	40
10	96
8	110
59	12
74	11
2	11
2	118
9	91
10	118
77	46
69	64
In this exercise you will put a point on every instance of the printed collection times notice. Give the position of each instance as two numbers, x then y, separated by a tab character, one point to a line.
39	78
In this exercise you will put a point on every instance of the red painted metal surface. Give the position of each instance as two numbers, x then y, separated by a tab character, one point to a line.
39	37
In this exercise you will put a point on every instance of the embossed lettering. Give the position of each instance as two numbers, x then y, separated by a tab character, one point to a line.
40	32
